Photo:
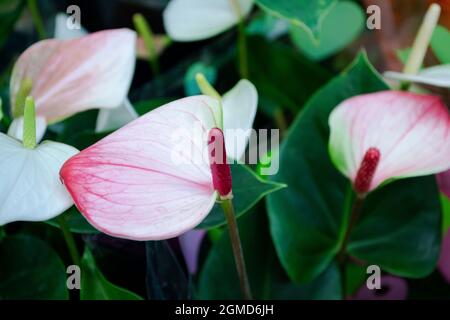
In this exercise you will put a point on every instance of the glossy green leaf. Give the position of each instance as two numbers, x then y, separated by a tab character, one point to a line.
400	224
284	78
248	189
268	26
218	277
75	221
347	17
94	286
219	280
306	14
325	287
30	269
440	44
400	228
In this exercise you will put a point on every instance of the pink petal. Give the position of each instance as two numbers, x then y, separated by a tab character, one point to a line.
411	131
70	76
130	185
444	182
444	260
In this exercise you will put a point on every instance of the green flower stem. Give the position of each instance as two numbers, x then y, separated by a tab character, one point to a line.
342	256
29	124
37	18
228	209
143	28
70	241
242	41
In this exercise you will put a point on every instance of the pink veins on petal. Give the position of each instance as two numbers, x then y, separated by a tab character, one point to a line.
131	183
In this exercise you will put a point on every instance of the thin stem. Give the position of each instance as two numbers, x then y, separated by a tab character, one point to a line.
144	30
242	41
342	256
70	241
37	19
228	209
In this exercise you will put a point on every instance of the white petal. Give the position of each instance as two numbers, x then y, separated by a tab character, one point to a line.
15	130
191	20
112	119
31	189
62	32
438	76
239	111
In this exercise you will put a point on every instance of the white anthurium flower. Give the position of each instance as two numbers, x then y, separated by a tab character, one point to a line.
31	189
239	106
16	128
438	76
108	119
239	111
193	20
70	76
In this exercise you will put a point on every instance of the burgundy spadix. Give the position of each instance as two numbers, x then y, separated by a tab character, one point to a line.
220	170
367	170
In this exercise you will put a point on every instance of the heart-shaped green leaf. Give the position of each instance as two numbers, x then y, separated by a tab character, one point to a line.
400	224
30	269
94	286
344	23
248	189
219	280
306	14
278	71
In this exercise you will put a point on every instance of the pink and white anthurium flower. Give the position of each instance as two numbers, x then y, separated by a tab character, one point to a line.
31	189
107	119
239	110
389	135
132	184
70	76
192	20
438	76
